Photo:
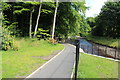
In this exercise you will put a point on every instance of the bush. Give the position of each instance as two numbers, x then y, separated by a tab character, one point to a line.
7	39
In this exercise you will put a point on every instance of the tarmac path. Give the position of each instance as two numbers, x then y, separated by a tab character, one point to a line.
59	67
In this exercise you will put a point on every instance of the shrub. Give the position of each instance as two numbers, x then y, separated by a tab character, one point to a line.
7	39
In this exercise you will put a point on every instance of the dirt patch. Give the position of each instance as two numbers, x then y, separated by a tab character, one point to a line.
43	58
47	57
28	73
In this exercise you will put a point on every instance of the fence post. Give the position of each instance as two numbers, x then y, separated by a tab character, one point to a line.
77	58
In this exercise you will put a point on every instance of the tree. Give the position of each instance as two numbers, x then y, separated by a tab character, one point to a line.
107	21
91	21
38	17
70	19
30	29
32	9
53	30
67	21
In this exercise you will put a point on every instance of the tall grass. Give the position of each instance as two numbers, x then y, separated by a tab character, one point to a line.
104	40
24	61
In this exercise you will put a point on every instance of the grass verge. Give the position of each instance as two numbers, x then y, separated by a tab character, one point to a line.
0	65
30	56
96	67
104	40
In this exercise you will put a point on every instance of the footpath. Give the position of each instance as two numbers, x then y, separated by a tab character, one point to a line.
60	66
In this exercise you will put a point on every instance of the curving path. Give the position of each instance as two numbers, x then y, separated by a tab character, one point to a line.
59	67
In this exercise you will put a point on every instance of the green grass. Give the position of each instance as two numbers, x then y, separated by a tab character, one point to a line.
96	67
0	66
21	63
104	40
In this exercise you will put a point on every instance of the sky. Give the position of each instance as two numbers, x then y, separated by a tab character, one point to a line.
95	7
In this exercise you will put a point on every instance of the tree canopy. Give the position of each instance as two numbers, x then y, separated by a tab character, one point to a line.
107	22
69	18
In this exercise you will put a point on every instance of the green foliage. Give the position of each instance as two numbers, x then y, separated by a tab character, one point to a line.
79	6
5	6
91	21
69	21
16	7
17	64
85	27
107	22
104	40
42	33
31	3
20	11
13	28
7	35
7	39
50	4
46	11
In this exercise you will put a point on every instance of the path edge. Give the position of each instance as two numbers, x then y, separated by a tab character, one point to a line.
44	64
72	74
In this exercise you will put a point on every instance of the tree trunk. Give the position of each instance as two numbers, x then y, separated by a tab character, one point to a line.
30	28
53	30
35	32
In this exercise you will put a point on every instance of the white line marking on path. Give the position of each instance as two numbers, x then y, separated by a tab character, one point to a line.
45	63
72	75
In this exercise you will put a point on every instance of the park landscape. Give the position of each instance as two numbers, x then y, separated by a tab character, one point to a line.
34	33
